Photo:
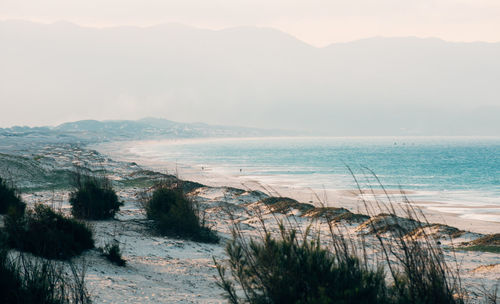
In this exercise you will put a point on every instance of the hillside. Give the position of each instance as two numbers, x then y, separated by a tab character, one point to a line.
92	131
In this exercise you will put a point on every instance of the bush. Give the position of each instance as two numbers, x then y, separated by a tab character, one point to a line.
113	253
292	269
48	234
37	281
287	270
94	198
175	214
9	199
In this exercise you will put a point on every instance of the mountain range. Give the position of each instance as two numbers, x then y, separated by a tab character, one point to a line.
248	76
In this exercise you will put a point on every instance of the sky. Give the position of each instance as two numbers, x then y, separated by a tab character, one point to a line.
317	22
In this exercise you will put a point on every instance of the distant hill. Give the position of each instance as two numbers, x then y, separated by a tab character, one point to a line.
90	131
251	77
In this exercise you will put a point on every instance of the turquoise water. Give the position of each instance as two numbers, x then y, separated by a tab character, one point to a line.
455	169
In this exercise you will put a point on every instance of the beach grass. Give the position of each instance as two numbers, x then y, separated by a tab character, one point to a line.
112	253
94	198
175	214
30	280
10	201
47	233
297	265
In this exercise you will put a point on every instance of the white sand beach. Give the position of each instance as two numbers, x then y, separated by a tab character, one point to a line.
171	270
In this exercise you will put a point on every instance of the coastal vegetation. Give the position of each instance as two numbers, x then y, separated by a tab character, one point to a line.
94	198
10	199
285	204
294	269
47	233
175	214
31	280
487	243
112	253
293	265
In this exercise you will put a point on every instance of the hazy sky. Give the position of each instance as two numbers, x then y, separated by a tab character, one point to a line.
318	22
249	75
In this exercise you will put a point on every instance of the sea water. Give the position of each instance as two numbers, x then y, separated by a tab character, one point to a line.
463	171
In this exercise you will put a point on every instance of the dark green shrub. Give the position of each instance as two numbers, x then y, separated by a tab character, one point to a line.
9	199
113	253
289	270
9	278
94	199
175	214
48	234
38	281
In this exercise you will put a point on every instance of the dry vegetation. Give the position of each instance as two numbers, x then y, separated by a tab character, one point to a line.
175	214
390	254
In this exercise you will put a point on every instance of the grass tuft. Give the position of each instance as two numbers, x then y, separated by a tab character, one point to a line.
94	198
10	199
295	266
49	234
284	205
30	280
289	269
487	243
113	254
175	214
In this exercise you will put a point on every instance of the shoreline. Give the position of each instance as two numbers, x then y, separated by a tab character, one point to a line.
181	270
436	212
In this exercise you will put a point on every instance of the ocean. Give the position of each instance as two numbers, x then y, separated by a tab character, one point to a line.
462	171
